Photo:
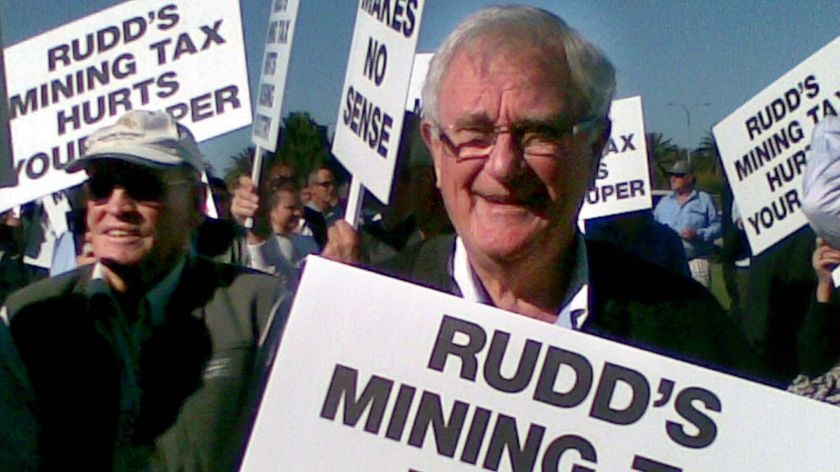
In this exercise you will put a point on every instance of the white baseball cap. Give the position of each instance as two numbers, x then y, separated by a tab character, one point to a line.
141	137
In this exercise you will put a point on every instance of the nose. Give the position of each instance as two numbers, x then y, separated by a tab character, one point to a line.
505	161
120	201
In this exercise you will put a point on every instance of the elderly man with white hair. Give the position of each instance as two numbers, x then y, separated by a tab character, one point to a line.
516	116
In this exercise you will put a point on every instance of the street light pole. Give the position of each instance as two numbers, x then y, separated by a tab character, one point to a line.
687	111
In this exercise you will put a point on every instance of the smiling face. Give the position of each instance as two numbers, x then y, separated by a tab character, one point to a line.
506	205
286	212
322	189
140	220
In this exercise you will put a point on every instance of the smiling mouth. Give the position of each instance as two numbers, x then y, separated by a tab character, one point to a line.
121	233
535	201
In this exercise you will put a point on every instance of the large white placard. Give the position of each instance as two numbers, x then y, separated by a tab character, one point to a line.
763	145
391	376
187	57
273	71
623	181
370	115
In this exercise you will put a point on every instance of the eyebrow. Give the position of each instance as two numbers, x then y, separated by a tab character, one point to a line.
483	119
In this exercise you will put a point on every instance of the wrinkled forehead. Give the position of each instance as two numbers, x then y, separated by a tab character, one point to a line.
537	69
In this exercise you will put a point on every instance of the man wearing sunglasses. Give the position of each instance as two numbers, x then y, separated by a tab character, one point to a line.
143	360
515	114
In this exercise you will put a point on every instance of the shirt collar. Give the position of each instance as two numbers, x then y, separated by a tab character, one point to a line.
575	306
157	298
691	195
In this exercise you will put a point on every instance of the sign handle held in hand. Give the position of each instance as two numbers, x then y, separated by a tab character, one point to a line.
354	202
256	170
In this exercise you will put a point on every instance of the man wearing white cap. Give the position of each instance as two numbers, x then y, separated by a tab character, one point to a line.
144	360
691	213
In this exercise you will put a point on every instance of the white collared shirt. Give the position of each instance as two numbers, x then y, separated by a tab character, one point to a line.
575	306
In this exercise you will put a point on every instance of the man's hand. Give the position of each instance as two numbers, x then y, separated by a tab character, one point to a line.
342	243
824	260
246	204
688	234
245	201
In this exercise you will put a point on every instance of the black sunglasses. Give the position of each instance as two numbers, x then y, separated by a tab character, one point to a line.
141	186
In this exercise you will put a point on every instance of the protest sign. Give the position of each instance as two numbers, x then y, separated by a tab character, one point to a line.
622	182
763	145
373	98
413	101
273	71
186	57
392	376
56	206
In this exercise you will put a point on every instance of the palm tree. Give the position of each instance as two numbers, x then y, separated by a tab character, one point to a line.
240	164
303	143
707	164
662	154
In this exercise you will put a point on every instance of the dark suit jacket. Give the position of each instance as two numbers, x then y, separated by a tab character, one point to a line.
196	369
630	301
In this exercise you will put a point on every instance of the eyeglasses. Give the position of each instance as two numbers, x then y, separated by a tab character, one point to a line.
546	139
141	186
328	183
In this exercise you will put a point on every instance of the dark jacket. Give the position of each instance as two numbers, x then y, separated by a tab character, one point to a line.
630	301
196	368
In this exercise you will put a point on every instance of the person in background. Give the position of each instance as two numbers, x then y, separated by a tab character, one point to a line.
818	341
639	234
415	212
691	213
13	274
323	191
145	360
282	252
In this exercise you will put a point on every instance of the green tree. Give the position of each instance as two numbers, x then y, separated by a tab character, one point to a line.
706	160
662	154
239	164
302	143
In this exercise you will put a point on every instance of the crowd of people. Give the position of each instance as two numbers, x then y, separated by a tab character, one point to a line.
158	343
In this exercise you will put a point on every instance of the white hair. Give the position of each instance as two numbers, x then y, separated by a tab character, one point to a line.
592	74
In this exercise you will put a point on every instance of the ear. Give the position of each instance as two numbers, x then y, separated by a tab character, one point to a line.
428	131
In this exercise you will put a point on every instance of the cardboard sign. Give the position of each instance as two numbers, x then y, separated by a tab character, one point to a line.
419	70
763	145
392	376
186	57
56	206
273	72
623	181
370	115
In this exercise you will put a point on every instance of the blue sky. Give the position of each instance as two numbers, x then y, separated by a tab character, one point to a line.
686	52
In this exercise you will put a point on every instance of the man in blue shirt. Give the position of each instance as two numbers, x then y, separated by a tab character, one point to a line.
691	213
